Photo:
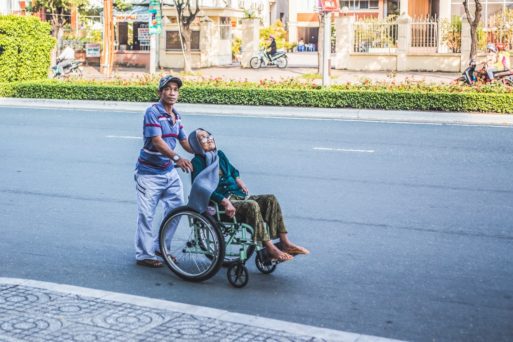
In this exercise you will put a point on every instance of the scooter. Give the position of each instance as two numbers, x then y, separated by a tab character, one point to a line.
261	60
471	75
73	69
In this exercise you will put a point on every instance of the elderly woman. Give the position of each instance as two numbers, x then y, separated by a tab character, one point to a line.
211	166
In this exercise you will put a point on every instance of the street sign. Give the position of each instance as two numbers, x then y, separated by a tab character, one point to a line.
92	50
329	5
154	24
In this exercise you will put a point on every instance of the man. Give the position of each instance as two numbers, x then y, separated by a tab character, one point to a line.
155	176
491	61
271	49
65	59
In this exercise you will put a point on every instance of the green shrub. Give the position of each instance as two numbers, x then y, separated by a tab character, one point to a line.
257	95
25	45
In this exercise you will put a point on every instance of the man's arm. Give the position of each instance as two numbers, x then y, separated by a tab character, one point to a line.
163	148
186	146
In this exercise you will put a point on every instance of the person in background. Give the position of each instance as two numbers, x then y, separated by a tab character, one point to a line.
491	61
503	58
271	49
301	45
65	59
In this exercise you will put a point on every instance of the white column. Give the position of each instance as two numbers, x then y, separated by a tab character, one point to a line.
445	9
250	40
345	37
403	7
292	24
403	41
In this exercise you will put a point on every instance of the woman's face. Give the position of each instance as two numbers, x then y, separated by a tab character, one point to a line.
206	141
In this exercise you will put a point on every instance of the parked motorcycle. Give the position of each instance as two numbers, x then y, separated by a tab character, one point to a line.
472	75
261	60
73	69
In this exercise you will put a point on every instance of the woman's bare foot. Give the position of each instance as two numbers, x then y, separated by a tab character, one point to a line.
275	253
292	249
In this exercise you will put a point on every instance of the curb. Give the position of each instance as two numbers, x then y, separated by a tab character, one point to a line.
343	114
223	315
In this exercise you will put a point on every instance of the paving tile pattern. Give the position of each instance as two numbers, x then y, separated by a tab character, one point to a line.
33	314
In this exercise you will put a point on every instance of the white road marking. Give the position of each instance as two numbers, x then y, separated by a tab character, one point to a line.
342	150
123	137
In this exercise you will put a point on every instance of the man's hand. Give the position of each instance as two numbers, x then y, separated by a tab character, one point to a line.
229	209
242	186
184	164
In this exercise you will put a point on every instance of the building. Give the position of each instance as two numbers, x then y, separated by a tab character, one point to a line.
11	6
303	20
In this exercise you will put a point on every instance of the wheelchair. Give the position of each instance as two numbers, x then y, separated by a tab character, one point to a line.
196	245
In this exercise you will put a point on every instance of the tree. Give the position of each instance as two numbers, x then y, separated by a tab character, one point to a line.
58	10
474	22
186	16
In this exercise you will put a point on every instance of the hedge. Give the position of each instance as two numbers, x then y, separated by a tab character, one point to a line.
324	98
25	45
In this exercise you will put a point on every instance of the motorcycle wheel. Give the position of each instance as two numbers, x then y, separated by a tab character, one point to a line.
254	62
77	72
281	62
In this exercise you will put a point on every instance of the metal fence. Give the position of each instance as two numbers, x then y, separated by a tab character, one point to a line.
424	35
375	37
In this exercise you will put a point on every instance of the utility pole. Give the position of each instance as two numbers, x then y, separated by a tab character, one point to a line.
326	49
108	38
154	28
326	7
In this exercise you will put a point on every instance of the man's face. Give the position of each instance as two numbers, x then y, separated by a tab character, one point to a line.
169	94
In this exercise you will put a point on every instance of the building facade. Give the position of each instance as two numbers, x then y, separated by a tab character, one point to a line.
303	20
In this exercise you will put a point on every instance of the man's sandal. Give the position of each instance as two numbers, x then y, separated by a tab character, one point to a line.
159	254
149	263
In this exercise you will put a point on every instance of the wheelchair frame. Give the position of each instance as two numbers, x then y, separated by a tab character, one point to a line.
213	241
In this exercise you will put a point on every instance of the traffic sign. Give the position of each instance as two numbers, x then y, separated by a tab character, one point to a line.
329	5
154	24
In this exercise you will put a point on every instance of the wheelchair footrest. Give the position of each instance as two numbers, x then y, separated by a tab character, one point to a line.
266	258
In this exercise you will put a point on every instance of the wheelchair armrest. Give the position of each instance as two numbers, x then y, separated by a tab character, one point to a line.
219	214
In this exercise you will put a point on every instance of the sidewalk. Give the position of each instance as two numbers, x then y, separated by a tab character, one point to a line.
40	311
301	66
347	114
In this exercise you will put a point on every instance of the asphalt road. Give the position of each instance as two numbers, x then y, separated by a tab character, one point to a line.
410	226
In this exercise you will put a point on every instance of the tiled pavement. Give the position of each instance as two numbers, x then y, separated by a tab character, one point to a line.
36	311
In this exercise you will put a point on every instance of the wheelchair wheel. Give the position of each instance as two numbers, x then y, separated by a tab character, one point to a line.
238	275
191	244
264	266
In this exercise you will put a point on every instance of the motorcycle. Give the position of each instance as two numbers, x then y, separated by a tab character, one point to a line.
72	69
261	59
471	75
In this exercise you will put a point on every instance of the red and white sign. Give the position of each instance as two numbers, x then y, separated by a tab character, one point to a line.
329	5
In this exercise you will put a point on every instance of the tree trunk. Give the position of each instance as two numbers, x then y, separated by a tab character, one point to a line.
473	42
187	38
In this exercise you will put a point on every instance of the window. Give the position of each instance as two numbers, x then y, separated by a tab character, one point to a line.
360	4
225	28
173	40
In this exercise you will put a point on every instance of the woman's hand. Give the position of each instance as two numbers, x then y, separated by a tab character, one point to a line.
241	185
229	209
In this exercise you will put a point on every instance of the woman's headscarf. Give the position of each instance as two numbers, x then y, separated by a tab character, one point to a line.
207	180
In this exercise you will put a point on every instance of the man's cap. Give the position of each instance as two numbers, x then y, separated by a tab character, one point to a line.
169	78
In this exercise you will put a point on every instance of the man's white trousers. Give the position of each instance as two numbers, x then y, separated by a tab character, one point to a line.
152	189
